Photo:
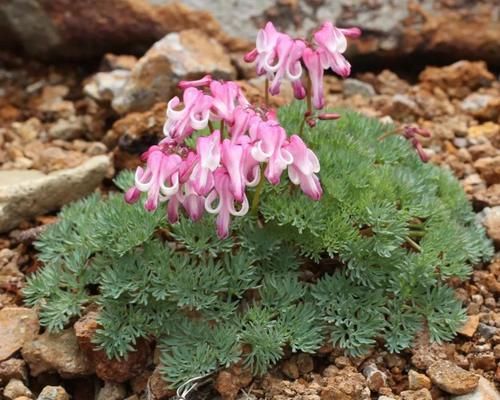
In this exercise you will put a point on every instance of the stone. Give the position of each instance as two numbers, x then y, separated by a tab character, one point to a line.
484	391
489	197
402	107
458	79
290	369
417	381
346	384
375	378
489	169
57	352
482	106
16	388
105	86
422	394
487	331
158	388
484	361
488	130
492	223
229	382
113	370
470	326
112	391
53	393
355	86
305	363
111	62
451	378
68	129
26	194
18	326
189	54
13	368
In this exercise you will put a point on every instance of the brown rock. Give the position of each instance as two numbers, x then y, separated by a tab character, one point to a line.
485	361
348	384
487	130
492	223
458	79
114	370
189	54
138	130
488	279
18	326
425	354
13	368
422	394
57	352
112	391
470	326
157	386
227	385
229	382
489	169
375	378
489	197
53	393
482	106
16	388
290	369
305	363
118	61
451	378
418	381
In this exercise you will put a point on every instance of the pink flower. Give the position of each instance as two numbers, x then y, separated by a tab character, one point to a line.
332	43
232	160
270	148
225	207
225	95
288	53
208	149
160	179
241	122
312	60
304	168
265	50
194	116
202	82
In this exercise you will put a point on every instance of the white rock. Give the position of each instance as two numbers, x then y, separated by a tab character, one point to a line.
26	194
105	86
485	391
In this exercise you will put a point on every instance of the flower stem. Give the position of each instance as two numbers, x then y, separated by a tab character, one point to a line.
258	191
210	126
309	111
222	128
266	94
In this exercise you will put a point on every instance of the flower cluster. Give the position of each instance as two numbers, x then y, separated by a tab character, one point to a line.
249	145
278	56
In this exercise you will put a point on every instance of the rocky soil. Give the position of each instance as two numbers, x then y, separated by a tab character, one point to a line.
65	130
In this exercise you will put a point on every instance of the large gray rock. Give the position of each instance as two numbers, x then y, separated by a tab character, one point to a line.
189	54
89	28
26	194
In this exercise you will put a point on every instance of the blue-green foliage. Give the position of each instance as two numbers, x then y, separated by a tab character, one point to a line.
368	261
